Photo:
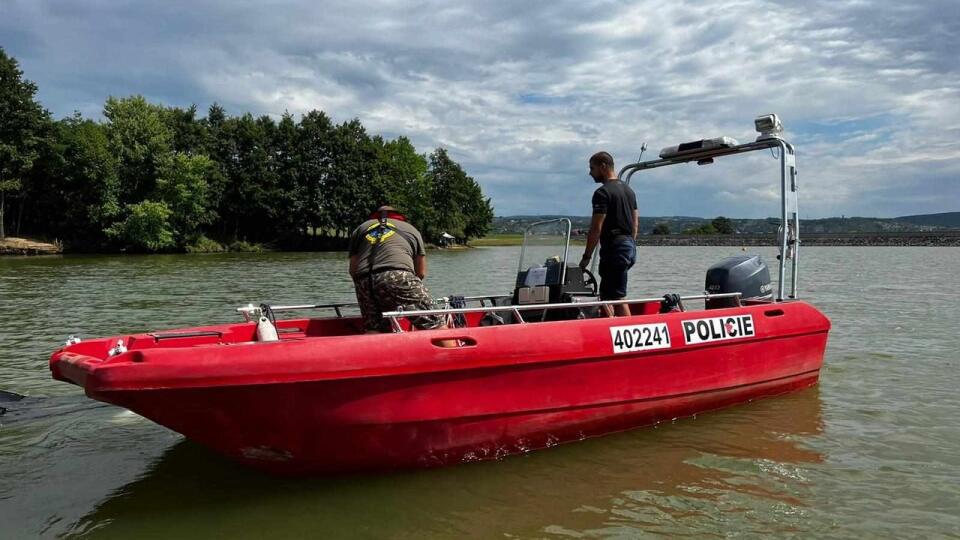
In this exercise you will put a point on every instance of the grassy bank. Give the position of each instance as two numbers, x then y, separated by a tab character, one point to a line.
514	240
498	240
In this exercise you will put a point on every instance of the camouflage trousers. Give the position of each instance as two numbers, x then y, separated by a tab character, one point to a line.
391	290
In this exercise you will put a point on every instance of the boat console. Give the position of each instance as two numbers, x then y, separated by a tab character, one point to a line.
555	280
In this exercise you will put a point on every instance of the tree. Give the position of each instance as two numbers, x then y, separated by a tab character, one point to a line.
183	188
76	191
706	228
140	139
315	160
153	178
478	211
661	229
289	201
722	225
23	123
220	148
188	134
352	188
252	179
459	207
402	174
245	177
446	180
146	226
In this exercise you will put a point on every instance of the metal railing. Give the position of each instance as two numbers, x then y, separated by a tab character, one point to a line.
789	244
394	316
249	312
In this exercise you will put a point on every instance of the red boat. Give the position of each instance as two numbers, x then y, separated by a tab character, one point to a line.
516	372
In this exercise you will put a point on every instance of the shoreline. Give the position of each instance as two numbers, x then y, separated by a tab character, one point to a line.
12	246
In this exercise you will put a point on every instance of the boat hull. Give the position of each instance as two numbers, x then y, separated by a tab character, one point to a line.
352	403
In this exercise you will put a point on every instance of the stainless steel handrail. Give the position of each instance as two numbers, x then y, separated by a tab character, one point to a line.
789	212
516	309
250	310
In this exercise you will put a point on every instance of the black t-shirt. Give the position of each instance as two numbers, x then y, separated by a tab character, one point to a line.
617	201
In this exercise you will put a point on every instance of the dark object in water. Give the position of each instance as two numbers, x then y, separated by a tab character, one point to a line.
7	397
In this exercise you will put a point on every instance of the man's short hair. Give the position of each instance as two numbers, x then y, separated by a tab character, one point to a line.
602	158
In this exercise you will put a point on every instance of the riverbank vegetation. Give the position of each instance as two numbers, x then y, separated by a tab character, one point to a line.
151	178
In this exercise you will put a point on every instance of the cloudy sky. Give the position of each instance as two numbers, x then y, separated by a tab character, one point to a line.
521	93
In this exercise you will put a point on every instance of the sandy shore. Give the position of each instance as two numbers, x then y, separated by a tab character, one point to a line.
22	246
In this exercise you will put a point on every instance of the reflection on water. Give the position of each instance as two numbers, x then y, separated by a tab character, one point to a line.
749	461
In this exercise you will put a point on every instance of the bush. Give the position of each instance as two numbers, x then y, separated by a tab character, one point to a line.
206	245
723	225
146	226
246	247
702	229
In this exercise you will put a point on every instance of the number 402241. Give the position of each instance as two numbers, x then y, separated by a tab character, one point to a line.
640	337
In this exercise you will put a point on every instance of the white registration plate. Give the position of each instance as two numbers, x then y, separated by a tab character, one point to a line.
640	337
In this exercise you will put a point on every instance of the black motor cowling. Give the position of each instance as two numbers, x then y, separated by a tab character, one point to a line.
746	274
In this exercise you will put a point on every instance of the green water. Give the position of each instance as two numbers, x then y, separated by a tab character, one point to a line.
872	452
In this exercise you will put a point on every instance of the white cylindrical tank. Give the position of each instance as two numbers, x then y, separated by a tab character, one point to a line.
266	331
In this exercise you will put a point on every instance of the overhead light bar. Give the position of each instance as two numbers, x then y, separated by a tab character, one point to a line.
696	147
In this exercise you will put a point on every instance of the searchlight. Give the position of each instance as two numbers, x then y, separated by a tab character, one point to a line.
768	126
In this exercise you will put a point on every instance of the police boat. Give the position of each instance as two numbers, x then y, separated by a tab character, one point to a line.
526	371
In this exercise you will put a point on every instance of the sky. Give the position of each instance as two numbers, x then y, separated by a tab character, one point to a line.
522	93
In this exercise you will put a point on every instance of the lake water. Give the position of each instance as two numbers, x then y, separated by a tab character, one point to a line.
873	451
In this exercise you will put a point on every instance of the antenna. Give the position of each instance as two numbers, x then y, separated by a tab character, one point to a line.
643	148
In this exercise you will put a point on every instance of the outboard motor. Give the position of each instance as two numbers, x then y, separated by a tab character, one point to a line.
746	274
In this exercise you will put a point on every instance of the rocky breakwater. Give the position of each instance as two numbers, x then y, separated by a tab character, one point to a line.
22	246
925	238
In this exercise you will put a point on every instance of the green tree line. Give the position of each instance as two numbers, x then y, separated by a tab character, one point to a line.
154	178
719	225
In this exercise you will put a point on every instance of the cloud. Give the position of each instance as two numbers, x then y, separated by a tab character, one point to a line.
521	95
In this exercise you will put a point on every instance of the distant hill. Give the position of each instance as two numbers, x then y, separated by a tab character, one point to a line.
950	220
677	224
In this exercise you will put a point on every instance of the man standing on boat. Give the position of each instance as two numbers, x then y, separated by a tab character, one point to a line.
614	226
387	264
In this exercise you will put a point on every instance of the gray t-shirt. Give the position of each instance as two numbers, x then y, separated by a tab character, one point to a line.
399	244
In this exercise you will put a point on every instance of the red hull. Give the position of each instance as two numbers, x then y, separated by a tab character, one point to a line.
349	402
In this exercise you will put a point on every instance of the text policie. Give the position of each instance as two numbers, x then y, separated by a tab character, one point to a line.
717	329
